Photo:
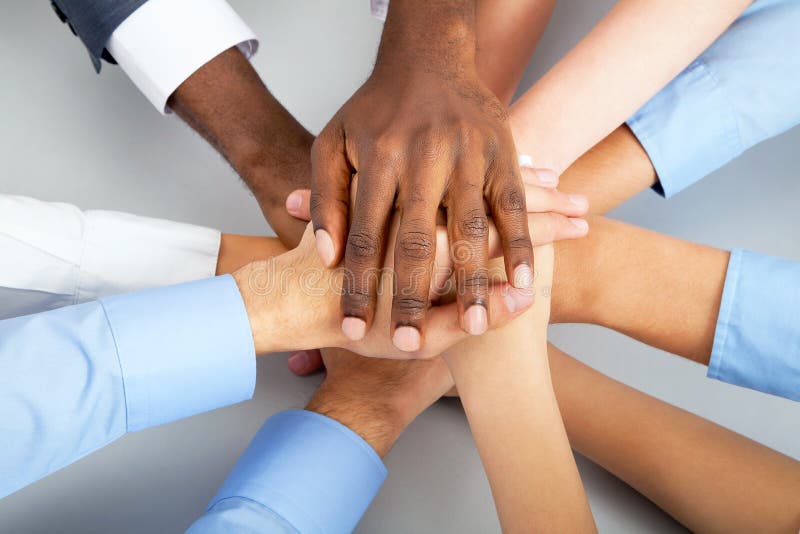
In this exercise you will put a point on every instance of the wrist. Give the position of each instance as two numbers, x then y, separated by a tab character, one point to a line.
253	283
378	423
437	37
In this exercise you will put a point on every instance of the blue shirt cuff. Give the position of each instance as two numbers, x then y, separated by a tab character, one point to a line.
313	472
757	340
182	350
688	129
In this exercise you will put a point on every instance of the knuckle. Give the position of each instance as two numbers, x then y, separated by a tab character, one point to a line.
410	305
417	245
429	146
476	282
355	299
388	150
361	245
474	224
316	203
520	243
512	200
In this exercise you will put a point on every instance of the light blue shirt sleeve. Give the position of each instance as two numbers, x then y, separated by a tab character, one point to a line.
743	89
303	472
757	338
75	379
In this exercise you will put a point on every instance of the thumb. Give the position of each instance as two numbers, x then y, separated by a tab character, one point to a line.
298	204
330	195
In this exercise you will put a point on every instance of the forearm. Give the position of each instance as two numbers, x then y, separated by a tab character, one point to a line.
631	54
611	172
507	34
227	103
655	288
514	417
705	476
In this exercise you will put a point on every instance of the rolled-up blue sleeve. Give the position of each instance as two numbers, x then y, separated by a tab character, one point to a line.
743	89
757	337
75	379
303	472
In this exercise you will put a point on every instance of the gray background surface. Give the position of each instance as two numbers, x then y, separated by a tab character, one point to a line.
68	135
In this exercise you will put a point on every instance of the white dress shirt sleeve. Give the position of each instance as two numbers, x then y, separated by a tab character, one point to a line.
165	41
57	255
379	8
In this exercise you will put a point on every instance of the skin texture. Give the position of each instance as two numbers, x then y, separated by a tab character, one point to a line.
291	301
378	398
442	140
226	102
504	383
705	476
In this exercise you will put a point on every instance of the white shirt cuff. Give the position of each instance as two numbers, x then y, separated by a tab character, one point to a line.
165	41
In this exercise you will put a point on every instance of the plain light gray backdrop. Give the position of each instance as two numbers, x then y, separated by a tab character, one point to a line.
69	135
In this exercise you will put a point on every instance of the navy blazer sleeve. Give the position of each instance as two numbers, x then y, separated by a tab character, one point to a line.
93	21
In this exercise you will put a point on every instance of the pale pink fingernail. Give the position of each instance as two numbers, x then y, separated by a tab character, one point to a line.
579	200
475	320
580	224
293	202
407	338
518	299
325	247
523	276
547	177
354	328
298	362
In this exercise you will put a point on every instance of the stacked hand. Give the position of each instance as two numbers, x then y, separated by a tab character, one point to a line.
292	301
552	216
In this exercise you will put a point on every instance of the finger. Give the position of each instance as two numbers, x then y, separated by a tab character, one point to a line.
330	193
545	228
364	255
468	228
442	266
506	197
414	252
536	176
298	204
305	362
444	330
541	200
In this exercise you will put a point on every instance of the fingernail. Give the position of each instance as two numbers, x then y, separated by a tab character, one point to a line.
298	362
525	161
579	200
523	276
547	177
354	328
406	338
293	202
518	299
581	225
325	247
475	320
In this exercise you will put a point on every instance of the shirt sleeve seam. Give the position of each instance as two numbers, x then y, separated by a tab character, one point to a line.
119	361
257	503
